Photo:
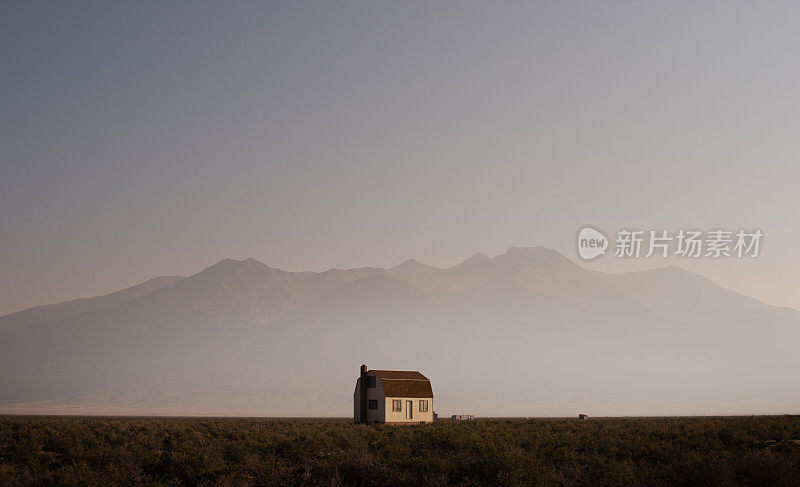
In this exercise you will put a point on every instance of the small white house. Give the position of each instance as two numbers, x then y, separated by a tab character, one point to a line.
392	396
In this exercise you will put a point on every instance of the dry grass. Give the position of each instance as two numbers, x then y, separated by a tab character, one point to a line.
230	451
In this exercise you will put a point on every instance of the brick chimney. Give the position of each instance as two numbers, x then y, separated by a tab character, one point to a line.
362	380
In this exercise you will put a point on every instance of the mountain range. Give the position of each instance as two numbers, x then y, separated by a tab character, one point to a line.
524	333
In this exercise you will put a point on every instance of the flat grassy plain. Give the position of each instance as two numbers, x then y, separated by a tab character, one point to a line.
758	450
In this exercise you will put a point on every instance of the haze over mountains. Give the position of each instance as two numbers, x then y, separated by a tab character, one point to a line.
527	332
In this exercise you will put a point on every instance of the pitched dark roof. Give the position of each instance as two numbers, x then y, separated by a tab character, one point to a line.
407	388
399	374
404	383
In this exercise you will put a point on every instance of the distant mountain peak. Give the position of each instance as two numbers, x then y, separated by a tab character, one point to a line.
226	265
223	264
476	259
410	263
251	262
413	269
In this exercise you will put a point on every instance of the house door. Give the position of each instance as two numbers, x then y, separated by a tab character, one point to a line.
409	410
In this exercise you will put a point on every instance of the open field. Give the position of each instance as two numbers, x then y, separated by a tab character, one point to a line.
250	451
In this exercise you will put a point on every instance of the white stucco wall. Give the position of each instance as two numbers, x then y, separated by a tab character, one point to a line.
400	416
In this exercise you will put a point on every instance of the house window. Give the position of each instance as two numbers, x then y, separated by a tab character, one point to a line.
371	380
397	405
373	404
423	405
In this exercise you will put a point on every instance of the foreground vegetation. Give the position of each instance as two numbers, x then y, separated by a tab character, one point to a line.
246	451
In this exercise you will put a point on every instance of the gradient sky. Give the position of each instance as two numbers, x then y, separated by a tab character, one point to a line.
143	139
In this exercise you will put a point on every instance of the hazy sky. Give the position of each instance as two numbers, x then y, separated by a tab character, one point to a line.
142	139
